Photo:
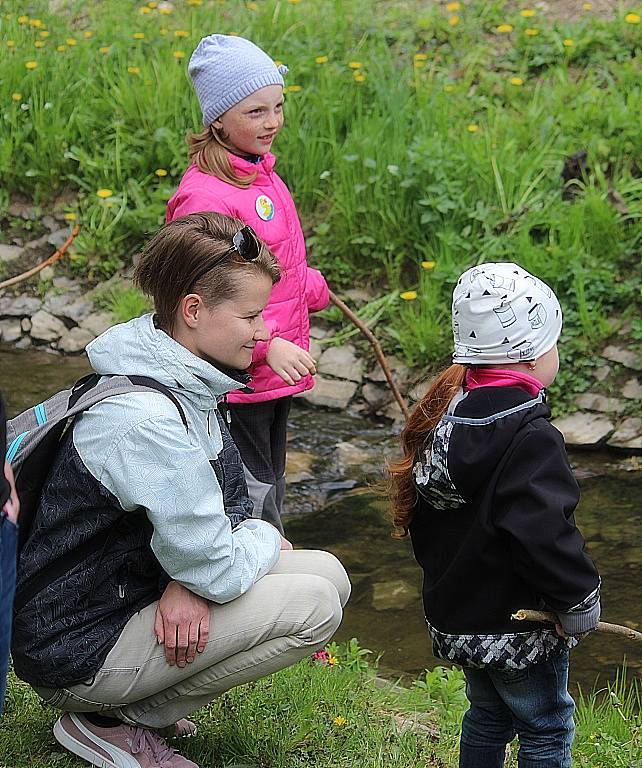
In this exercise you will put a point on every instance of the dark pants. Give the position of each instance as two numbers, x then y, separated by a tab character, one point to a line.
533	703
260	433
8	541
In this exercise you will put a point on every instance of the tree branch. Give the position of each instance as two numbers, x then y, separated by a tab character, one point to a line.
47	262
603	626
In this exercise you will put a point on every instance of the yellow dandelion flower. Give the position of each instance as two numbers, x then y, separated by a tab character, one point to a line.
532	31
37	23
144	9
160	172
355	64
294	88
252	6
359	78
104	192
44	33
152	4
179	54
165	10
527	13
61	48
321	60
16	96
453	7
133	70
294	2
181	33
516	81
138	35
504	28
31	64
408	295
104	49
71	216
632	18
568	43
472	127
195	2
453	20
332	660
88	33
277	62
23	19
428	264
339	720
11	43
71	41
162	31
421	56
39	44
449	87
587	6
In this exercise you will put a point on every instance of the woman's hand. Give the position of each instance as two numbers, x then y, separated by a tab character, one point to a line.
12	505
182	624
289	361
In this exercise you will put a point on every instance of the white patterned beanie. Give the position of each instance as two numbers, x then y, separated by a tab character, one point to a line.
226	69
503	314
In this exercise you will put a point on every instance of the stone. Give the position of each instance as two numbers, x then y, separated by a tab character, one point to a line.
9	253
59	237
584	429
38	242
398	369
46	275
625	357
23	343
46	327
330	393
22	210
298	466
25	324
316	350
632	390
348	455
65	284
21	306
393	595
358	296
592	401
317	333
49	222
342	363
97	323
419	390
10	330
628	435
70	307
75	340
602	372
374	395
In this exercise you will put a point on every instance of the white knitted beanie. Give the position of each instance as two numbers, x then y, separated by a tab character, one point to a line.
503	314
226	69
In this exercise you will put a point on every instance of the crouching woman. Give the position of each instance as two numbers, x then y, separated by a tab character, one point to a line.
146	588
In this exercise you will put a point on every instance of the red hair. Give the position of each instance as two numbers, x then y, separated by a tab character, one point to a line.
420	424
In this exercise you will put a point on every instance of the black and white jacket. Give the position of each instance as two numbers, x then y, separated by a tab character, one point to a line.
493	530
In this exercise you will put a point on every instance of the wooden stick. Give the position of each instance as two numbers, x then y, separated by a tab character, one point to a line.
47	262
377	350
602	626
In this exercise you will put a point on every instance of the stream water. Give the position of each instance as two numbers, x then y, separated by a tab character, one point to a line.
332	505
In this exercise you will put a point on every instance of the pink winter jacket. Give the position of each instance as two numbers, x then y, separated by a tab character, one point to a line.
268	208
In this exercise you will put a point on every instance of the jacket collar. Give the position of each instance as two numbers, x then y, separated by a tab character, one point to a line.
264	166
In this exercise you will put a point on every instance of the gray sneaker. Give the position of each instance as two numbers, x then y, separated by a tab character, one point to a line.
124	746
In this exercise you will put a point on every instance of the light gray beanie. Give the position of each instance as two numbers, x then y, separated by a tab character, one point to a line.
503	314
226	69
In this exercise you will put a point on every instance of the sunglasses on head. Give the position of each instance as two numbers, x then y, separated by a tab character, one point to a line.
244	242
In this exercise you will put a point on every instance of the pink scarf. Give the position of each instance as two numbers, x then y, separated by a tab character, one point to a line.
498	377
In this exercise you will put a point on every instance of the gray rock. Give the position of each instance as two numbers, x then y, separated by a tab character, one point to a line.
316	350
317	333
46	275
97	323
628	434
592	401
584	429
632	390
9	253
393	595
22	210
49	222
602	372
46	327
374	395
38	242
298	466
65	284
71	307
330	393
393	411
419	390
349	455
25	324
10	330
58	237
398	369
21	306
358	296
75	340
626	358
342	363
23	343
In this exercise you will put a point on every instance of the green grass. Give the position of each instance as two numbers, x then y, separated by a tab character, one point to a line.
409	140
336	716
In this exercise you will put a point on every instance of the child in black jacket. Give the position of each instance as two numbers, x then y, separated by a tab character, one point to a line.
486	491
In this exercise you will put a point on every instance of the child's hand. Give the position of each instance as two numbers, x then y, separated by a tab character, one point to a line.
12	505
289	361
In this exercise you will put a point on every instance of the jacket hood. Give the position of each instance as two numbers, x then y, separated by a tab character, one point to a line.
265	165
139	348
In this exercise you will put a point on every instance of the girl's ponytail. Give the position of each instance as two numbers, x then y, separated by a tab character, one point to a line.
208	151
421	423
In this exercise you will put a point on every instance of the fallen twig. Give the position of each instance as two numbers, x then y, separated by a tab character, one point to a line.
377	350
602	626
47	262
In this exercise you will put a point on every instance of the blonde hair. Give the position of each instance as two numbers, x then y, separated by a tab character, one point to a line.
208	150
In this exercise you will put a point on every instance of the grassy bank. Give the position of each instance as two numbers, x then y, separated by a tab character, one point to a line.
337	714
420	138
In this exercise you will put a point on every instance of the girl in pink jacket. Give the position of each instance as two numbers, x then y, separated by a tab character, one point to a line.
240	91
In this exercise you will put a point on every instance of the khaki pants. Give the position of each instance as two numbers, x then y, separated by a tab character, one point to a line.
289	613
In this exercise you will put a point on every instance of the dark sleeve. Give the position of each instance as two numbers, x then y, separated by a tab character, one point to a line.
4	484
534	504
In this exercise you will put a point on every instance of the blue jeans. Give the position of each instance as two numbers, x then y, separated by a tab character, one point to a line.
8	541
533	703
